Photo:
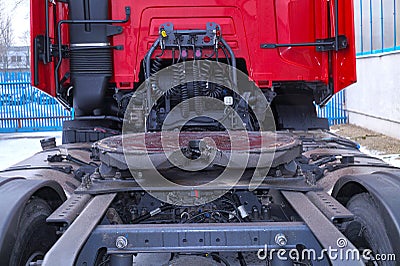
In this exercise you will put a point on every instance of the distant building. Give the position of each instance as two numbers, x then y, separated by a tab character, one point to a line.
373	101
15	58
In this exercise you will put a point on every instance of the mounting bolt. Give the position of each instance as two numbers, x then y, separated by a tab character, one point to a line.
281	240
96	174
121	242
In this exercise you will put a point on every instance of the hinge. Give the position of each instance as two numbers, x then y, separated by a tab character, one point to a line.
64	50
322	45
113	30
330	44
39	48
39	55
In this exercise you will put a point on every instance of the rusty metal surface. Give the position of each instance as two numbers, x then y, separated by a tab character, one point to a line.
324	143
236	141
66	249
29	168
188	184
329	206
161	151
69	210
37	166
323	229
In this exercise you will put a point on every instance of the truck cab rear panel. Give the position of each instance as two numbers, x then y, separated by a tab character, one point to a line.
246	25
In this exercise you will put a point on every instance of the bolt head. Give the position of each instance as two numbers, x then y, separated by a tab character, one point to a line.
121	242
281	240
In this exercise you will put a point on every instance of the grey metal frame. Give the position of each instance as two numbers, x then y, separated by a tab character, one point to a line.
83	239
197	238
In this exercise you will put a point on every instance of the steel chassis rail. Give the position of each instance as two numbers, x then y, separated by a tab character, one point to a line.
201	238
79	243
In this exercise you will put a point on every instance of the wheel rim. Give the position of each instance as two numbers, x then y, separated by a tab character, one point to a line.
37	255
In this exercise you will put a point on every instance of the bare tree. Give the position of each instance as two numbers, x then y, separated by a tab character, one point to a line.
24	60
6	32
6	37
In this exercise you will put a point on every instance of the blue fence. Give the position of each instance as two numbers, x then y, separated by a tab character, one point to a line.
24	108
335	110
376	25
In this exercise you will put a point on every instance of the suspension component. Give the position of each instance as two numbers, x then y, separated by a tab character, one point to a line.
197	88
156	66
190	46
184	91
216	90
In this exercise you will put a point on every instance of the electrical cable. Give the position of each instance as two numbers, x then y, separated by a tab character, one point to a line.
213	211
151	214
242	261
218	257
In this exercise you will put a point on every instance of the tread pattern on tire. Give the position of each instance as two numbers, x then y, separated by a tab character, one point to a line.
373	228
33	233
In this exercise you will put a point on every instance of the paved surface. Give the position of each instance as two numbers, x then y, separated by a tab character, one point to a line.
15	147
375	142
371	142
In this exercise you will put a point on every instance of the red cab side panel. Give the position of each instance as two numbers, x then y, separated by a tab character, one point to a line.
56	12
344	61
45	81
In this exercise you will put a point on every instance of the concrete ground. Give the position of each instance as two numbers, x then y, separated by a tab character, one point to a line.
15	147
371	142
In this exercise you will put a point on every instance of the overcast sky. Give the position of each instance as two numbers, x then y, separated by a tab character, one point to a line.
20	20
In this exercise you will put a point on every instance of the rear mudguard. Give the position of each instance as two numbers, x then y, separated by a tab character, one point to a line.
15	193
384	187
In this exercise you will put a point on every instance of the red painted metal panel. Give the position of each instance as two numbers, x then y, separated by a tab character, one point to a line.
344	63
38	22
57	12
245	25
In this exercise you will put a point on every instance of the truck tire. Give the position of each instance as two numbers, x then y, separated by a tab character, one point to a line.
367	230
34	236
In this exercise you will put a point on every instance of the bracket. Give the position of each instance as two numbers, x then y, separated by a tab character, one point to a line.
190	38
322	45
113	30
